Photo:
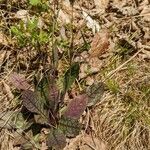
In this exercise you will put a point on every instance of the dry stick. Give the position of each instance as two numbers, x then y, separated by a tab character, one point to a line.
70	50
53	30
55	15
110	74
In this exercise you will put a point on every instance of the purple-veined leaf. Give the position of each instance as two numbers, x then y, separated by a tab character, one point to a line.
54	93
54	97
47	91
95	92
70	127
35	105
56	139
19	81
76	107
30	101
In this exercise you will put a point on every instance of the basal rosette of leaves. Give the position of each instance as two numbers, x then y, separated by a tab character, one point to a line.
41	108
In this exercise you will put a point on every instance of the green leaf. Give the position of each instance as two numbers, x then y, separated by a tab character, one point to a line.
35	2
48	92
22	122
13	120
42	90
69	126
32	26
76	107
113	86
70	76
6	119
56	139
95	92
43	37
15	30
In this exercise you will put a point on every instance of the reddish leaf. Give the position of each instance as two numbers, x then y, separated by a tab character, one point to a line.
56	139
19	81
48	92
54	93
76	107
53	97
30	101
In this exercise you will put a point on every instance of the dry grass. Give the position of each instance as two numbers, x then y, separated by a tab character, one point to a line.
122	118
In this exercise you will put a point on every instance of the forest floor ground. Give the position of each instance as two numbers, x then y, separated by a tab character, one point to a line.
110	40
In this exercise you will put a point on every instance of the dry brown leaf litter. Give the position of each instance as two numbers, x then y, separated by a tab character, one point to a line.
125	19
100	43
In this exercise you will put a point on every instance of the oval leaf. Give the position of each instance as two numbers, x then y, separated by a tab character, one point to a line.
13	120
42	87
69	126
6	119
56	139
54	97
30	101
95	92
19	81
48	92
70	76
76	107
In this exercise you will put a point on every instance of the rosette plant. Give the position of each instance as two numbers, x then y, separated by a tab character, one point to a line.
43	108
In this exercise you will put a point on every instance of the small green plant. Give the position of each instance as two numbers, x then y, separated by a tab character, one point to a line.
45	104
29	33
39	5
35	2
113	86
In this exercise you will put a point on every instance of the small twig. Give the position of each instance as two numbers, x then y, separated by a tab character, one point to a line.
110	74
93	148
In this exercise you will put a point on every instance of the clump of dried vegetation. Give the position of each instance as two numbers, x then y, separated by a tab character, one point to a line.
75	74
